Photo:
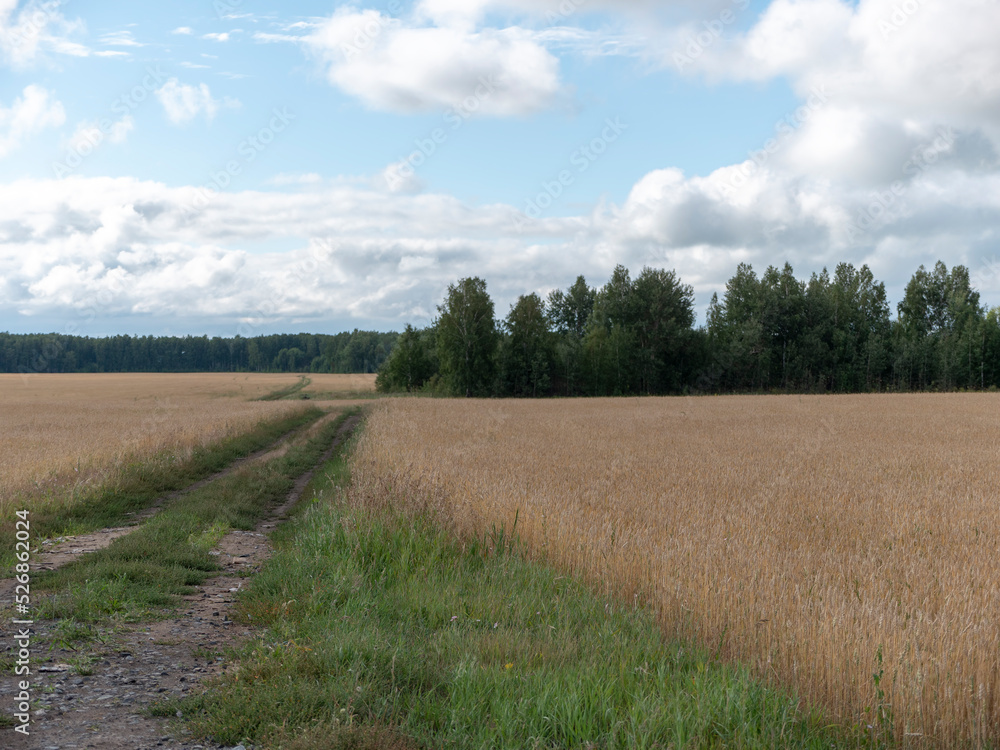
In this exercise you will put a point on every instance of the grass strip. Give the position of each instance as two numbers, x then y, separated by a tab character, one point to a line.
139	575
381	631
138	485
287	391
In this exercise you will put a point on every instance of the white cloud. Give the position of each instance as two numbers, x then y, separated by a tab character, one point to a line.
265	37
185	30
892	160
183	103
468	13
27	32
89	134
376	255
36	109
217	37
309	178
120	39
895	72
392	66
400	177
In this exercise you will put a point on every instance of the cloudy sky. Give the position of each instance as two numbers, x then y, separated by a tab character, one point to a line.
231	166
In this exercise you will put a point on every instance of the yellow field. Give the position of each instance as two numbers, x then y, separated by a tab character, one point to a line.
62	430
340	384
804	536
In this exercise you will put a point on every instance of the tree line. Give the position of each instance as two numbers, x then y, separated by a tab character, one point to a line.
355	351
768	333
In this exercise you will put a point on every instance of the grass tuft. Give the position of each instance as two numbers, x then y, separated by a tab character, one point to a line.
136	486
140	575
381	630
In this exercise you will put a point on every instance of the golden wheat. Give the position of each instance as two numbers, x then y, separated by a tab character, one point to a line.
322	383
821	540
61	431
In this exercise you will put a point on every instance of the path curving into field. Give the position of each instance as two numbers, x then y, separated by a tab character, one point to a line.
64	550
140	665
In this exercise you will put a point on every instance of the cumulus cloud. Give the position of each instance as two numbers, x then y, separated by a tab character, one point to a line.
366	253
89	134
183	103
400	177
890	158
895	73
393	66
308	178
470	12
26	32
120	39
144	247
34	110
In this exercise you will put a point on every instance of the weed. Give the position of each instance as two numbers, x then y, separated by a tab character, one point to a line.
141	575
806	537
378	629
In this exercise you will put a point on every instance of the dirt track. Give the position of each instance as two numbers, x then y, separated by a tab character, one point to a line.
138	665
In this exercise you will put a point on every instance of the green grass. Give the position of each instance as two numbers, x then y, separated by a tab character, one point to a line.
140	574
288	391
382	631
342	395
138	485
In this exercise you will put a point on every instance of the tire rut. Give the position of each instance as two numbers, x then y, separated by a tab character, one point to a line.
143	664
64	550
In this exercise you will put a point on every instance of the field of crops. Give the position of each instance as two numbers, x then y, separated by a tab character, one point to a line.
61	431
846	546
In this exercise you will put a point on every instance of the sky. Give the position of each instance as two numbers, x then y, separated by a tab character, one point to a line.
231	167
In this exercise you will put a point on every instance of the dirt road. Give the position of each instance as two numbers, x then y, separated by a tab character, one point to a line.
137	666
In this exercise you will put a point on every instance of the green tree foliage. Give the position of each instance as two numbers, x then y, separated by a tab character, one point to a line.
467	338
357	351
663	315
989	367
736	332
569	313
528	350
767	333
610	356
778	333
940	338
411	364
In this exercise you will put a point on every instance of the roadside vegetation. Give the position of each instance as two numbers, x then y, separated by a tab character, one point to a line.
844	546
139	574
136	485
379	629
63	437
287	392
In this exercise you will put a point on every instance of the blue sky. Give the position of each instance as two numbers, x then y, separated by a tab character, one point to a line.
230	167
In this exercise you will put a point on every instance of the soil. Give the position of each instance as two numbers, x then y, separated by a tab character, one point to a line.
59	551
136	666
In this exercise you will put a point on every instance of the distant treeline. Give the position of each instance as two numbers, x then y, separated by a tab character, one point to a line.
357	351
772	333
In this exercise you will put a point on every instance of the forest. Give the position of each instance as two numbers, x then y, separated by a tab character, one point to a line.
355	351
768	333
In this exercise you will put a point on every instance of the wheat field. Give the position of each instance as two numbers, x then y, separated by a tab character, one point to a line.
63	431
845	546
357	383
